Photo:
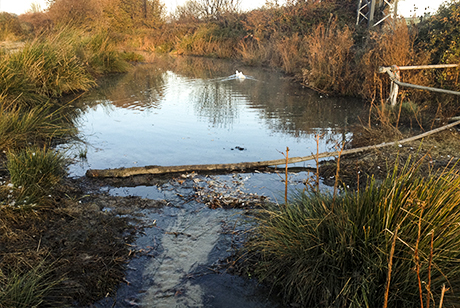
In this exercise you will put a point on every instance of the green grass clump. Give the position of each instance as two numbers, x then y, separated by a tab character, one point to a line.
23	289
51	66
102	55
34	172
21	127
321	251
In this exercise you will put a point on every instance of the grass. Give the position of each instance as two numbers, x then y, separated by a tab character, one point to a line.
21	289
34	172
20	127
324	252
102	56
46	67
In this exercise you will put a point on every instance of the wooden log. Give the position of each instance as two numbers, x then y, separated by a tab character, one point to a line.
126	172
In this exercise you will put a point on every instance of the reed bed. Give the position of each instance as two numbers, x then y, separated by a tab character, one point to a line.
321	251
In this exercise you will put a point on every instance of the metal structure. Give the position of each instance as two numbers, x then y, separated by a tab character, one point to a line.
375	12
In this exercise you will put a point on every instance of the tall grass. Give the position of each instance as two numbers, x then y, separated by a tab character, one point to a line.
50	66
101	54
321	252
56	63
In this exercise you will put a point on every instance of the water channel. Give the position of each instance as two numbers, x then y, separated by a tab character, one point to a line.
181	111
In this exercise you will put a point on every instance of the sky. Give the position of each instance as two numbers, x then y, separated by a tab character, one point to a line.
406	7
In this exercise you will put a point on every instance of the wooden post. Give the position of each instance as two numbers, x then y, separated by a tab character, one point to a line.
395	11
394	88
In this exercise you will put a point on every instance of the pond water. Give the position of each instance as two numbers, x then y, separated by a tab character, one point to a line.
195	111
181	111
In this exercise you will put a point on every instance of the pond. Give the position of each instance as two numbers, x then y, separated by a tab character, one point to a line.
195	111
182	111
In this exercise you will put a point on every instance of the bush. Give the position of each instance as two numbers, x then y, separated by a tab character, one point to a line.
394	45
440	34
321	251
10	27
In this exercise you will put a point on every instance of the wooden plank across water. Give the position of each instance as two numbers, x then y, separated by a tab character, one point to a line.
127	172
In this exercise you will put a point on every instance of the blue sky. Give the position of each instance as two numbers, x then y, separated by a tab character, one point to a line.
406	7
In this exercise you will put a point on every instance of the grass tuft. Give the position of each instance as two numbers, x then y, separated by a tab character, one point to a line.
21	289
20	127
321	252
34	172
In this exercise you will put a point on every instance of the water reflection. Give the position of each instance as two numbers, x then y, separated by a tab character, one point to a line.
194	111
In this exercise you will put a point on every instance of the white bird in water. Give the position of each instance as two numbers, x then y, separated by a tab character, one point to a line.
240	75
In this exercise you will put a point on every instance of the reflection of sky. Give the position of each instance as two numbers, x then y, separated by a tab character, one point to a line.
181	129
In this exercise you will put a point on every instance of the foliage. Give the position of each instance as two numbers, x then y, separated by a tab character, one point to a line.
336	252
298	17
393	45
34	172
46	67
119	15
193	10
102	55
441	34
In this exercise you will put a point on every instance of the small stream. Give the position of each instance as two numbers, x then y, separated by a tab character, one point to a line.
182	111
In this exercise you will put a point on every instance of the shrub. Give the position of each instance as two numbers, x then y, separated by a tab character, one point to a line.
337	252
394	45
440	34
10	27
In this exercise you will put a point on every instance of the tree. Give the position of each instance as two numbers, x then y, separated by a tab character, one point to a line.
207	9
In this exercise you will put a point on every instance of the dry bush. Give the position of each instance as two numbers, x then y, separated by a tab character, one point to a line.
36	22
330	59
10	28
119	15
253	52
393	45
81	12
289	51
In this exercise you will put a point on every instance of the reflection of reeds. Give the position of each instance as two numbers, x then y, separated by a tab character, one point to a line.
343	255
